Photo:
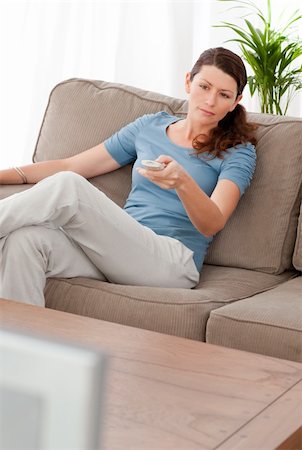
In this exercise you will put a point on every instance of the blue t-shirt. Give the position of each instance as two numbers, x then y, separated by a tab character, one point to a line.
161	209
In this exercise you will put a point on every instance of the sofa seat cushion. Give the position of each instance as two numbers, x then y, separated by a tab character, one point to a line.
180	312
269	323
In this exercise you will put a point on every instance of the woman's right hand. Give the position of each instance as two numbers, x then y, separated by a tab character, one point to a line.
171	177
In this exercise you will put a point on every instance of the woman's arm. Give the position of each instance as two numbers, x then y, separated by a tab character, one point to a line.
89	163
208	214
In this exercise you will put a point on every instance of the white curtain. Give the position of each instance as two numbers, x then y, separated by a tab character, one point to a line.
145	43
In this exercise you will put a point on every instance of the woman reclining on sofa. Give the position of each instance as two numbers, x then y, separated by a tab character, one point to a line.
65	227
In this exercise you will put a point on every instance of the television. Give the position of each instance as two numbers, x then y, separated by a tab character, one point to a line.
51	393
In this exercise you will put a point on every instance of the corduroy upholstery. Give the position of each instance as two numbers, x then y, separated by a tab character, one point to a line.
248	323
257	253
180	312
297	258
261	234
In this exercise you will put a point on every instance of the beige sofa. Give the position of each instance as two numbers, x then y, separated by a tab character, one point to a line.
250	291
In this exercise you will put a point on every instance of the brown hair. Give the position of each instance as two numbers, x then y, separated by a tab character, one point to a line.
234	128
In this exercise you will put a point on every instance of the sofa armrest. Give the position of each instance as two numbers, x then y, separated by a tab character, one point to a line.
10	189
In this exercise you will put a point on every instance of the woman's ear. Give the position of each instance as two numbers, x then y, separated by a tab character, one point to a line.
188	82
236	102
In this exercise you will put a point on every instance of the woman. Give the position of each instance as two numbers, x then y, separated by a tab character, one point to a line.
65	227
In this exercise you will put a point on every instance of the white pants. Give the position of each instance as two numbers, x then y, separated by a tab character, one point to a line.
65	227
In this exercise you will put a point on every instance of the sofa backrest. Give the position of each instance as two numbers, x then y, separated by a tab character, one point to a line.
260	235
297	257
82	113
263	230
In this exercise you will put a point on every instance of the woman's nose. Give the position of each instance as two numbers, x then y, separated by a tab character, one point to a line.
211	98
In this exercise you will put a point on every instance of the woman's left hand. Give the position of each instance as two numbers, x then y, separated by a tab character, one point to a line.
171	177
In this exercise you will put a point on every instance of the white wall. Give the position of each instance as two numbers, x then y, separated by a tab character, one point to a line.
144	43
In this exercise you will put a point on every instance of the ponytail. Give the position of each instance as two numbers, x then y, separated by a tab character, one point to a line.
232	130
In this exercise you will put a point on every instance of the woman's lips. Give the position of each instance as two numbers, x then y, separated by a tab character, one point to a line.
208	113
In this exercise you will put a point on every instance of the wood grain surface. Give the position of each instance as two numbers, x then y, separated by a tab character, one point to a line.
165	392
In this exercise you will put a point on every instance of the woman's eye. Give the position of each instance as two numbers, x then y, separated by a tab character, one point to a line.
203	86
224	95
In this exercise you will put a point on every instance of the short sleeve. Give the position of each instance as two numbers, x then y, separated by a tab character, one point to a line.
121	145
239	165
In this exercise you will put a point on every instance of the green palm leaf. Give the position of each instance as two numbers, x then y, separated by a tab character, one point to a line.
271	53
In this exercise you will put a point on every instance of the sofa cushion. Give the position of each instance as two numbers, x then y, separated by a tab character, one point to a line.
9	189
261	233
82	113
268	323
297	257
180	312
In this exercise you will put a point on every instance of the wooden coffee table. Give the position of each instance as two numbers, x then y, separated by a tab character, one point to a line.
166	392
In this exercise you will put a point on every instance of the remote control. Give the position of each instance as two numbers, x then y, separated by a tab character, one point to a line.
153	165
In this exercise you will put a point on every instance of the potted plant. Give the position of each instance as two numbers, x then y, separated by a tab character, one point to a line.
272	54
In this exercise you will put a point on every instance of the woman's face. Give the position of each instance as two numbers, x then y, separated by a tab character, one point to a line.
212	94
